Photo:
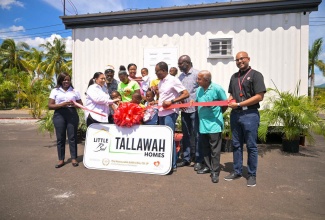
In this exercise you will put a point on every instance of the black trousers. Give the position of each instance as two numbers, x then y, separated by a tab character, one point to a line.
65	121
111	119
90	120
211	148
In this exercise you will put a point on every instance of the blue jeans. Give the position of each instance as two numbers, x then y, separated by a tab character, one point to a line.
190	129
244	125
170	121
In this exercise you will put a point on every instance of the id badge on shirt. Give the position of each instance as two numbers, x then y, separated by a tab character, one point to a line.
244	107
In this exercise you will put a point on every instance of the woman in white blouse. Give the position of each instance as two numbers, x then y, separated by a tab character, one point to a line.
98	100
65	118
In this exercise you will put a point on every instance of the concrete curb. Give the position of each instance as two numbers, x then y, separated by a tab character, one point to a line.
18	120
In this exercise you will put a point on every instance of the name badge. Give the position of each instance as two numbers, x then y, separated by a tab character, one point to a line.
244	108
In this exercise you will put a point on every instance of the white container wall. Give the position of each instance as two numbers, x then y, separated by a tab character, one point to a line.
277	45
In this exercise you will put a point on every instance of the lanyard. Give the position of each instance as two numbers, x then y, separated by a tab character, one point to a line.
240	84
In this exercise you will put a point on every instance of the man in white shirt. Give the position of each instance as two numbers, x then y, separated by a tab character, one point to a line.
171	90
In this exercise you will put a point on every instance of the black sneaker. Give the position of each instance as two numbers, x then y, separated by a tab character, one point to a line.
232	176
183	163
198	166
251	181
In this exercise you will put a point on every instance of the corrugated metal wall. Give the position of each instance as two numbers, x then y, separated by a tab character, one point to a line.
277	45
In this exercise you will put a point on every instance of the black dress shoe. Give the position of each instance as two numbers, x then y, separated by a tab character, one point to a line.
198	166
204	170
183	163
214	177
59	165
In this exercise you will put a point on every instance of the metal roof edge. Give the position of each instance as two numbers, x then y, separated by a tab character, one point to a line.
192	12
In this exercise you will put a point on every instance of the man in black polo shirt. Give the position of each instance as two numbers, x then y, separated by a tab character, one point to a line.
247	88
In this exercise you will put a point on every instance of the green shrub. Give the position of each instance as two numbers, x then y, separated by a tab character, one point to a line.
45	124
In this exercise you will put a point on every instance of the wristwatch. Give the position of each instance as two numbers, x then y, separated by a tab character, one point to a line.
172	101
238	104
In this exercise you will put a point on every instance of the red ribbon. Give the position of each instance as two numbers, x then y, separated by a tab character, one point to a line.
84	108
213	103
129	114
186	105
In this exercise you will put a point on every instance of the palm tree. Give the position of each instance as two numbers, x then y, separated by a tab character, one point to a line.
36	92
314	52
11	54
34	63
15	79
57	59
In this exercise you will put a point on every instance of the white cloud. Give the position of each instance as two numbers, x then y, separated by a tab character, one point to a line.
69	44
15	32
319	79
35	42
7	4
8	32
16	28
86	6
322	56
17	20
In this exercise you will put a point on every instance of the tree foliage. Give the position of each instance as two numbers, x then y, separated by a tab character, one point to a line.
57	59
26	75
11	54
314	53
292	114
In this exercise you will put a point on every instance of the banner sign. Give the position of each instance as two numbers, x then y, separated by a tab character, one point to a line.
138	149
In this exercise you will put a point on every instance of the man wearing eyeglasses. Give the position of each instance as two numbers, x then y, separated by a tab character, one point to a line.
171	91
247	88
189	117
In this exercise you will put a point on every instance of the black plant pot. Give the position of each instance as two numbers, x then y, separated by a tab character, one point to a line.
226	145
302	140
291	146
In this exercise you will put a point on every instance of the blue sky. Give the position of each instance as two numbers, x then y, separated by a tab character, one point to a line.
37	21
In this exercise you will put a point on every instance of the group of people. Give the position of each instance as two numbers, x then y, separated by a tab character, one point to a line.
201	126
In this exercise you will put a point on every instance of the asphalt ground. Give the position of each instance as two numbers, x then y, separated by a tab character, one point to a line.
289	186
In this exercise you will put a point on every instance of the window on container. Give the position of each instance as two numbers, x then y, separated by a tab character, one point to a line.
220	47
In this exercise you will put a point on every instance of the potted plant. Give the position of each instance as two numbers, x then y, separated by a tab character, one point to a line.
226	132
267	133
293	115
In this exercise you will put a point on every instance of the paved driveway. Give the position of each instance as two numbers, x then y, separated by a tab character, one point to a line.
289	186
